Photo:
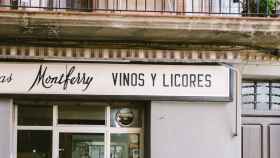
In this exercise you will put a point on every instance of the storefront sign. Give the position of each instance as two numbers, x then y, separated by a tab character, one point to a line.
162	82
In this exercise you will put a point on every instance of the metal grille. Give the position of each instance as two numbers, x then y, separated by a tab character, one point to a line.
173	7
261	95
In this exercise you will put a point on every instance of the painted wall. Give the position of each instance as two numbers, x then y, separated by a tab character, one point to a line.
5	128
259	71
194	130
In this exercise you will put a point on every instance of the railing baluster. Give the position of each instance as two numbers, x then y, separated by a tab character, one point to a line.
155	7
163	5
209	6
145	5
192	6
267	8
220	6
113	4
174	6
183	6
201	6
275	8
258	6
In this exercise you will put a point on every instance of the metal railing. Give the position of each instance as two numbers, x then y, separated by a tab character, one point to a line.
172	7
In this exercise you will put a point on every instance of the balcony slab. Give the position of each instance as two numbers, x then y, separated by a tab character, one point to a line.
262	32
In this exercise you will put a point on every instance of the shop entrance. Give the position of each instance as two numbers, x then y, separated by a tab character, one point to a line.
79	130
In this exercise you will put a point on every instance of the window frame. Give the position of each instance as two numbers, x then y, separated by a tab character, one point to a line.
56	129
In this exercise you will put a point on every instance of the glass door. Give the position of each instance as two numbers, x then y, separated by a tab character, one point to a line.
81	145
81	130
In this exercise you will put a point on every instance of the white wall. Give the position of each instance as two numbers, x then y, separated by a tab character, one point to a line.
259	71
194	130
5	128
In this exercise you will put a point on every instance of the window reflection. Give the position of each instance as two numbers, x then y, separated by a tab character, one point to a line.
275	96
125	146
260	96
81	145
35	115
81	114
263	96
248	95
126	117
34	144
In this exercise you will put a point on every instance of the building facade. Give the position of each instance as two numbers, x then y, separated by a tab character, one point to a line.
139	79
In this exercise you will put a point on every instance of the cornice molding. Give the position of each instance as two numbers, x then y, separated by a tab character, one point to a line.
135	54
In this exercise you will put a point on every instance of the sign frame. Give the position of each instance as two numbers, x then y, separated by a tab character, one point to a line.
127	97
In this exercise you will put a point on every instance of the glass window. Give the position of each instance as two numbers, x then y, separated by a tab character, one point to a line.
81	145
125	146
81	114
34	144
35	115
248	95
275	96
261	96
85	5
126	117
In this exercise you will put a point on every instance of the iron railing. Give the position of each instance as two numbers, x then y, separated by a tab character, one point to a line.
172	7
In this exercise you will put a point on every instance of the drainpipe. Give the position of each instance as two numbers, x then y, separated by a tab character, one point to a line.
237	74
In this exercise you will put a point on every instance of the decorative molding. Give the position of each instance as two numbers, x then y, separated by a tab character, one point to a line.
135	54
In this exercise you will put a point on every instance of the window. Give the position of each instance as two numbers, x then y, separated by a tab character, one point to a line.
29	115
81	114
34	143
76	130
84	5
79	145
261	96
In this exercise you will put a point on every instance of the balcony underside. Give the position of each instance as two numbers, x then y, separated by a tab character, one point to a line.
132	27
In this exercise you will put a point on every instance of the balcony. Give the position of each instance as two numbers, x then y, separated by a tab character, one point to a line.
252	23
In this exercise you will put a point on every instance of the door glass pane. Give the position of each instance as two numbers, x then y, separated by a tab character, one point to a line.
125	146
35	115
275	96
248	95
263	96
126	117
34	144
81	114
81	145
